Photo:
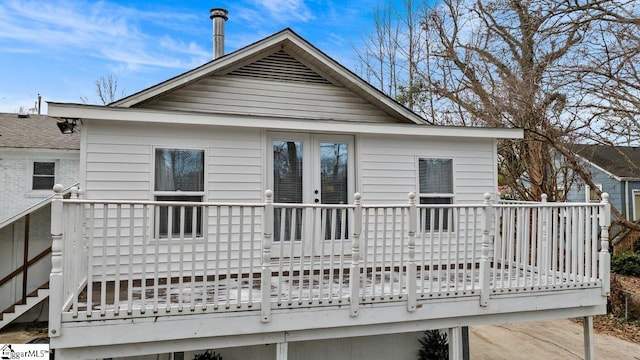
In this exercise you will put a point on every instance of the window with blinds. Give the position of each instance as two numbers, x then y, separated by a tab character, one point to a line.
435	187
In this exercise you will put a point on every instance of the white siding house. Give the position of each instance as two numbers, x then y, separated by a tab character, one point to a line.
270	204
34	155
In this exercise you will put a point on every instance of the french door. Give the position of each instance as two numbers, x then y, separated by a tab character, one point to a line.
310	169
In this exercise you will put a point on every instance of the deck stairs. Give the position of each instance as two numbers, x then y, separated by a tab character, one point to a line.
19	309
42	292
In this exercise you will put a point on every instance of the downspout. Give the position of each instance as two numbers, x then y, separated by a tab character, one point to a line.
626	199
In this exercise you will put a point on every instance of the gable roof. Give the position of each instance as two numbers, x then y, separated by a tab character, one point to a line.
307	62
612	159
34	132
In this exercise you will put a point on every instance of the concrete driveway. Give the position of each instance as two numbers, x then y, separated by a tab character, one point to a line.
548	340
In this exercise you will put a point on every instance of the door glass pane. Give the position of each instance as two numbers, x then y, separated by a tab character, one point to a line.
287	188
636	204
334	187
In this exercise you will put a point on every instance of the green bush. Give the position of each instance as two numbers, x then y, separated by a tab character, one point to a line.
208	355
627	263
434	346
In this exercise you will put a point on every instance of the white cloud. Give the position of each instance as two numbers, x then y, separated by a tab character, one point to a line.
103	30
274	12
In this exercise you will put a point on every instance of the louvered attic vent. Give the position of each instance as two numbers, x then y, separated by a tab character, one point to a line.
280	66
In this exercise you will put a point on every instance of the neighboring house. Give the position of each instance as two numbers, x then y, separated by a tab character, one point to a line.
616	171
34	155
270	204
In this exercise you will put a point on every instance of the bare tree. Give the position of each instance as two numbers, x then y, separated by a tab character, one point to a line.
107	90
506	63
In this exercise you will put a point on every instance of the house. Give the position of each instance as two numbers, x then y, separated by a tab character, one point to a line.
34	155
616	171
270	204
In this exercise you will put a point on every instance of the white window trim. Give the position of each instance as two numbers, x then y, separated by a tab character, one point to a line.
634	192
41	192
420	195
587	193
435	195
154	194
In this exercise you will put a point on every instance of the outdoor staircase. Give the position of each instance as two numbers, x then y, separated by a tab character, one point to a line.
28	300
17	310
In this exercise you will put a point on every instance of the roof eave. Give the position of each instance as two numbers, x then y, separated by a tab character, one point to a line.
141	115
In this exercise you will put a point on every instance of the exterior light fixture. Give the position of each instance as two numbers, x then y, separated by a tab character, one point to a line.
68	126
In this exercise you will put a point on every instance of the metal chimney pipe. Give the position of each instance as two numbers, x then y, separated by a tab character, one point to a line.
219	16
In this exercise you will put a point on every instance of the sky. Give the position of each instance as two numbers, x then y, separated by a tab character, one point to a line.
59	48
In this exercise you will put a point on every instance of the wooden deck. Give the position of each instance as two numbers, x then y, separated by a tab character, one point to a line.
393	271
305	289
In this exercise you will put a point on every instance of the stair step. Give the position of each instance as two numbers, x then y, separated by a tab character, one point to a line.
17	310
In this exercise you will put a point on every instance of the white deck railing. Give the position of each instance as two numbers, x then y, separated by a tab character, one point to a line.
113	259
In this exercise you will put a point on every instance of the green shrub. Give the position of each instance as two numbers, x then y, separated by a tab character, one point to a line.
627	263
434	346
208	355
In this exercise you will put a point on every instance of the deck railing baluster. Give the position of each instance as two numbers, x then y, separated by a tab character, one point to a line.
265	306
130	262
103	248
486	243
217	270
181	258
229	257
303	230
169	258
252	254
334	238
146	238
343	239
89	291
156	256
365	253
194	226
205	259
411	252
240	256
354	270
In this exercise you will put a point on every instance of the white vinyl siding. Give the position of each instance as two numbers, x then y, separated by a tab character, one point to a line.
388	168
241	95
120	167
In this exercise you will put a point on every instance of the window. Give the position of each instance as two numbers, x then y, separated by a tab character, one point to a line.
179	176
44	175
435	187
591	195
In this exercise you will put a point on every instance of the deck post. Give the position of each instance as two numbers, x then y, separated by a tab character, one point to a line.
265	278
56	277
589	346
455	343
605	256
354	272
544	252
487	212
282	351
411	263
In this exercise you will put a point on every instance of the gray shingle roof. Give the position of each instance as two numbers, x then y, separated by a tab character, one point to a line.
34	131
612	158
